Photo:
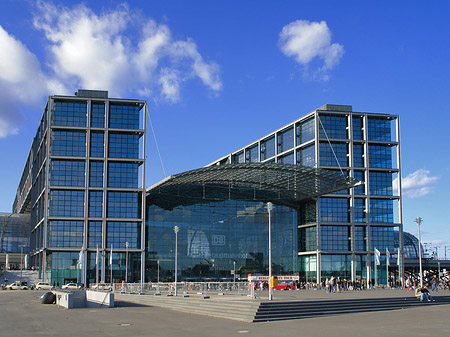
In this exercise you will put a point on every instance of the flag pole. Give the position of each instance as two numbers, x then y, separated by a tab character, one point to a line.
388	256
96	267
110	266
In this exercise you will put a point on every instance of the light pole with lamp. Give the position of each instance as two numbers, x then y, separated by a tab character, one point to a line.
419	221
176	229
269	209
126	262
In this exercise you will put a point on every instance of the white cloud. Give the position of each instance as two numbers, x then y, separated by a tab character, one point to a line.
305	41
97	52
416	184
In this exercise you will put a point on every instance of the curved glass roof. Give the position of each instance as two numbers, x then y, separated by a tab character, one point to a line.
283	184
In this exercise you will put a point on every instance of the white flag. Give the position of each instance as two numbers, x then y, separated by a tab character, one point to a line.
377	256
110	257
80	256
388	257
96	257
398	256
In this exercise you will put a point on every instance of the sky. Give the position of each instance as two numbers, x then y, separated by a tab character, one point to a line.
218	75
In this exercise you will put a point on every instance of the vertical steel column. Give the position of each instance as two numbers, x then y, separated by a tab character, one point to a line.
401	267
143	208
46	208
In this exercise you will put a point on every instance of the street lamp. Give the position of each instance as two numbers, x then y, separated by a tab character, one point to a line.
126	262
269	209
176	229
419	221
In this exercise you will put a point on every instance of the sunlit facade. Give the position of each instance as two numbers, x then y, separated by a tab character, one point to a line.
83	185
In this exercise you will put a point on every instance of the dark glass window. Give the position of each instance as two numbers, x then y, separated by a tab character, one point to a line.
63	266
65	234
69	114
286	159
98	115
380	183
66	203
123	145
123	205
358	128
285	140
382	237
95	204
251	154
268	148
123	175
68	143
306	156
307	239
336	265
95	234
67	173
381	211
361	177
360	210
328	158
380	156
360	238
358	155
97	144
96	174
335	238
118	233
123	116
379	129
305	131
238	157
334	210
335	127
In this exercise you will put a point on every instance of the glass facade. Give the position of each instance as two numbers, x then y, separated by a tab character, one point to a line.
213	235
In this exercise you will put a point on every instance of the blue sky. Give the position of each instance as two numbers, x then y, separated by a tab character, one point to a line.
219	74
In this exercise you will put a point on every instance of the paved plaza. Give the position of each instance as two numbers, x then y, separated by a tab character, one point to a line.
22	314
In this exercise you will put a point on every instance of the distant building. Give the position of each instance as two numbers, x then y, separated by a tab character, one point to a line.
14	239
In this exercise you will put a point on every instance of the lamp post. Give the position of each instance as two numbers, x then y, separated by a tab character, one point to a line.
126	262
419	221
158	272
234	271
269	209
21	261
176	229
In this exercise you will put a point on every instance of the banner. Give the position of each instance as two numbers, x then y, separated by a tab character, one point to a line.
80	257
110	257
96	257
377	256
388	257
398	256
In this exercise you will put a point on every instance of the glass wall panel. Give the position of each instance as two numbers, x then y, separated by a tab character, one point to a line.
286	159
305	131
381	211
307	156
97	144
267	148
358	155
382	237
67	173
307	267
334	210
95	234
360	238
65	234
66	203
123	175
213	235
380	183
358	128
251	154
96	174
63	267
361	267
238	158
307	239
361	188
95	204
285	140
68	143
119	233
123	116
379	129
380	156
123	205
360	210
98	115
328	157
123	145
69	114
335	238
337	266
335	127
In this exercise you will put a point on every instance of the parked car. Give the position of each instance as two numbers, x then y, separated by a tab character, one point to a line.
43	286
71	286
17	286
102	286
285	286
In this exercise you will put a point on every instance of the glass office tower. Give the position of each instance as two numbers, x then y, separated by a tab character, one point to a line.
338	232
84	184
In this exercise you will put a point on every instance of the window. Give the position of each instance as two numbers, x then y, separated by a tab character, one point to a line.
123	145
328	158
97	144
251	154
95	234
238	157
285	140
118	233
358	128
96	174
381	211
361	177
305	131
306	156
124	116
286	159
379	129
123	205
65	234
335	238
380	156
334	209
67	173
336	265
68	143
69	114
360	238
380	183
358	155
98	115
359	210
95	204
123	175
66	203
382	237
307	239
335	127
268	148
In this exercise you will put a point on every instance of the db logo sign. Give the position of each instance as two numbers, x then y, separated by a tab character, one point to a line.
218	240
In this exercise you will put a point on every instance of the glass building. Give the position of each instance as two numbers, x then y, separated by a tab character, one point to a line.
338	232
84	186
